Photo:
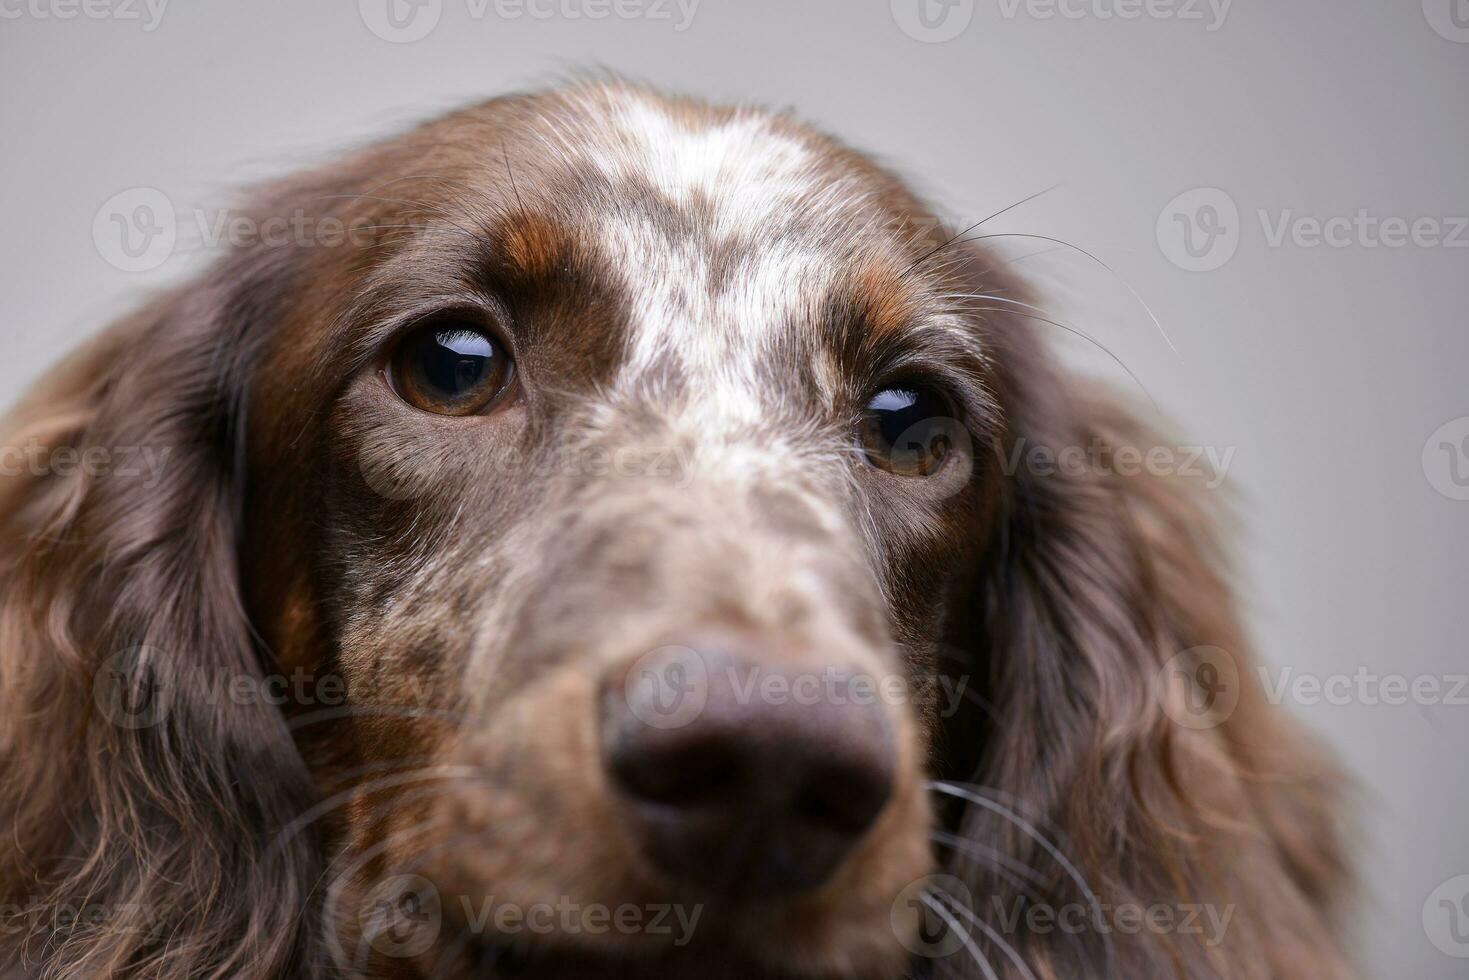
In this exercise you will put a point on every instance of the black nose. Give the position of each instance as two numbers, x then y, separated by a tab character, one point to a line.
742	777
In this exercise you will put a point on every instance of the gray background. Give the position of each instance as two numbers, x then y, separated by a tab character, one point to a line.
1325	369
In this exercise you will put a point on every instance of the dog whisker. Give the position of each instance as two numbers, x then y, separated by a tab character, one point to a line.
1089	339
990	932
1017	258
440	178
958	237
1030	830
1016	872
1077	248
1024	807
942	912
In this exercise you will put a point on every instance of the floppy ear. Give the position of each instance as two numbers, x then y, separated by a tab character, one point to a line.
1131	765
141	802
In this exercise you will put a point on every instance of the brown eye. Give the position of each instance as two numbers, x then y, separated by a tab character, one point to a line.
908	431
451	367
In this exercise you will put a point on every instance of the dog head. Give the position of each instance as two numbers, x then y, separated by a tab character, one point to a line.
609	524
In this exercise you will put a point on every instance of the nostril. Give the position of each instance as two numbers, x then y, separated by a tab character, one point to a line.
687	772
846	798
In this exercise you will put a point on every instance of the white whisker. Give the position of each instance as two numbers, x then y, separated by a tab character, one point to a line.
943	913
1050	848
994	937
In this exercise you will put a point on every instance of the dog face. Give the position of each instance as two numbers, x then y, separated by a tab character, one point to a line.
644	476
630	495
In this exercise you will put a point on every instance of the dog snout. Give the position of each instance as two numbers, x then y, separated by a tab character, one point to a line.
742	774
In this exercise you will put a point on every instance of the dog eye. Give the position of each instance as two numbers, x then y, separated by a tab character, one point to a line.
908	431
451	367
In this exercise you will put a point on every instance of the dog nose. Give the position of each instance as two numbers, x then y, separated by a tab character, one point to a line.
743	777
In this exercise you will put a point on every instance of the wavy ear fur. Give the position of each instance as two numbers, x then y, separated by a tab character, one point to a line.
140	806
1097	591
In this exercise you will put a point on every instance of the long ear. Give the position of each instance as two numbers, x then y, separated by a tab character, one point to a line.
140	801
1131	768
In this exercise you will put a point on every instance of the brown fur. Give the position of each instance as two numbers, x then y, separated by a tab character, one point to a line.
306	523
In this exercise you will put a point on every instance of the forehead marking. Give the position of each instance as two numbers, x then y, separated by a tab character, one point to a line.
745	180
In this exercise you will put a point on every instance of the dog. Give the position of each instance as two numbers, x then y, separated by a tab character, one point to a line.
584	545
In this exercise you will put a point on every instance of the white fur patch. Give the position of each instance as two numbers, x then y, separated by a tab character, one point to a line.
750	177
